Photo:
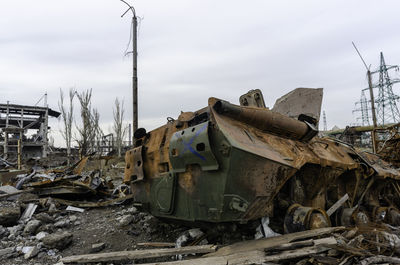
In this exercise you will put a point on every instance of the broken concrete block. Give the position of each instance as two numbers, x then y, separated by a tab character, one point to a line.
57	240
41	235
3	232
45	218
9	215
25	249
7	189
190	236
29	211
32	226
132	210
73	218
32	252
126	220
15	230
6	252
52	208
97	247
62	223
75	209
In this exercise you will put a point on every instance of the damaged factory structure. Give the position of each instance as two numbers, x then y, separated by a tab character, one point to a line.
24	130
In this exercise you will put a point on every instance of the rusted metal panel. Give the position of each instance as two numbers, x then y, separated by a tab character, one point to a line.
381	167
257	163
163	192
136	164
80	165
281	150
192	146
253	98
263	119
300	101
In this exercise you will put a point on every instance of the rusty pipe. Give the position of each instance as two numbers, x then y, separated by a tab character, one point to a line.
267	120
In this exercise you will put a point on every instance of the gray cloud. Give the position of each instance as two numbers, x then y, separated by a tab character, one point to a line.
191	50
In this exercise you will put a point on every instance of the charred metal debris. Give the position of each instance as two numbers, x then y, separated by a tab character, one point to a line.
262	178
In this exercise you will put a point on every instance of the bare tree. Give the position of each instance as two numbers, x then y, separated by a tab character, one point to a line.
90	132
67	117
119	128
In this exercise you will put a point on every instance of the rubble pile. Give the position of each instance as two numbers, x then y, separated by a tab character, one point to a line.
83	214
36	230
51	231
389	148
41	221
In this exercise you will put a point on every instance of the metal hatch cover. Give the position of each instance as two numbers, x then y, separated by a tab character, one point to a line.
192	146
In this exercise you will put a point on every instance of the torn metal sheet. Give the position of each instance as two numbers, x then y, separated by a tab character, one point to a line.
29	211
85	204
300	101
77	170
25	179
74	209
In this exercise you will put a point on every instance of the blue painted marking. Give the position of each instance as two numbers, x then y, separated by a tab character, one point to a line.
188	145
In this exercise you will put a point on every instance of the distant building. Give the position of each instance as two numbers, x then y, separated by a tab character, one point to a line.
24	126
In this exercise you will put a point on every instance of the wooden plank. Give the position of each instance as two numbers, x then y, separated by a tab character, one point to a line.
352	250
296	253
93	204
138	254
156	244
305	243
325	260
294	245
257	256
3	196
261	244
337	204
380	259
252	257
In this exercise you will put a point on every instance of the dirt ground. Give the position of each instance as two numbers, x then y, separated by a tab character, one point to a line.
94	226
116	228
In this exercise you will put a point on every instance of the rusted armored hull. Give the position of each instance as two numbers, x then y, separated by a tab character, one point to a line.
228	163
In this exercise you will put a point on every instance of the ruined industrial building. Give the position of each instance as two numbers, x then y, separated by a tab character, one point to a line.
24	130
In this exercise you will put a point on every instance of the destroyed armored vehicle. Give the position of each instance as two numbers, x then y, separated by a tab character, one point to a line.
231	163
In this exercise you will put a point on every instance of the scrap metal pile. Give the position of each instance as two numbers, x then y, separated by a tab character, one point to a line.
389	149
69	182
248	171
229	163
335	245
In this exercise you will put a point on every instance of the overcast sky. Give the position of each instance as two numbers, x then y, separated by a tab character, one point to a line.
191	50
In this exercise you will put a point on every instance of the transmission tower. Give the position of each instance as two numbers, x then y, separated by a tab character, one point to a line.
387	111
325	124
363	107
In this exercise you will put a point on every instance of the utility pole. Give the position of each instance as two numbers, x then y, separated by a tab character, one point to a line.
325	124
134	65
371	93
130	134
